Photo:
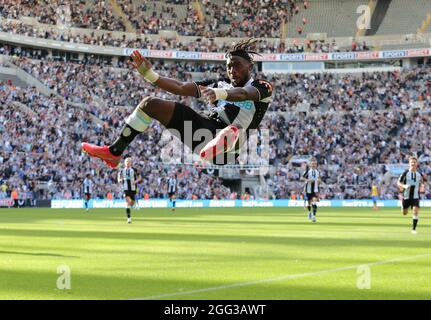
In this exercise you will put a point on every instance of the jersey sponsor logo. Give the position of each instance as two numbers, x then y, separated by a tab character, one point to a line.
247	105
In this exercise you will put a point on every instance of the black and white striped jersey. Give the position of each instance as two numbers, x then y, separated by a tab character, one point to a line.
87	186
247	114
128	176
313	186
172	185
413	180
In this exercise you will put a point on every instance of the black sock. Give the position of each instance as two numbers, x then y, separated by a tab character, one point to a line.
173	203
86	204
126	137
128	212
309	208
415	223
314	209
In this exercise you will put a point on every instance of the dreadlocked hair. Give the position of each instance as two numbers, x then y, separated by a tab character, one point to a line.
244	49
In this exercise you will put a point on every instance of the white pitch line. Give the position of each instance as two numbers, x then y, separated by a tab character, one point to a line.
281	278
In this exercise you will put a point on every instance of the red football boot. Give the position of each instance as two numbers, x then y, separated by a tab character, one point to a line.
223	142
101	153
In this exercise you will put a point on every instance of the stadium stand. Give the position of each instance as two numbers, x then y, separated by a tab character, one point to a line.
342	22
404	17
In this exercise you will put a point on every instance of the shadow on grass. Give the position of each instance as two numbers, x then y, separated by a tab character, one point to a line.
321	222
262	238
42	254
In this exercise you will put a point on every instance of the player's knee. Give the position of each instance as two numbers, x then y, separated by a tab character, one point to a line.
148	105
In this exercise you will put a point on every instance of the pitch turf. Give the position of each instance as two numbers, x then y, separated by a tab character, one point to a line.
257	253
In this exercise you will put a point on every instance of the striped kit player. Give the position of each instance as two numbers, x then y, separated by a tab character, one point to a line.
129	178
411	183
172	190
87	187
311	177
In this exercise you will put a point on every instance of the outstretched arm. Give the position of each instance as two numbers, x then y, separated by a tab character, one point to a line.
173	86
234	94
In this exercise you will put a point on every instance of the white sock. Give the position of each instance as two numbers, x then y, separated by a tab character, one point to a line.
139	120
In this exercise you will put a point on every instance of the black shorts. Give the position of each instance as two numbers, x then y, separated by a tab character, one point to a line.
410	203
312	195
183	114
87	196
130	194
171	194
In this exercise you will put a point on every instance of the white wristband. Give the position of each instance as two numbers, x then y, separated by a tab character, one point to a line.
221	94
149	74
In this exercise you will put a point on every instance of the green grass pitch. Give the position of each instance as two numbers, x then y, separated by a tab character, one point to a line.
256	253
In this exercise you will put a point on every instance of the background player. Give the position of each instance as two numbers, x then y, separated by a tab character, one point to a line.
129	178
311	189
374	195
240	103
87	187
172	190
411	183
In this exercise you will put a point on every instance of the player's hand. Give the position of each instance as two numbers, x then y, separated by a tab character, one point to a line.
139	62
207	94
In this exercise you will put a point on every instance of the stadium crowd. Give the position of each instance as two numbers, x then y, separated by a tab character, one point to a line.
201	44
241	17
90	14
117	86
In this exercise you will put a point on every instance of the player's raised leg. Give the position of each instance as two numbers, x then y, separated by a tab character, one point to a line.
149	108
